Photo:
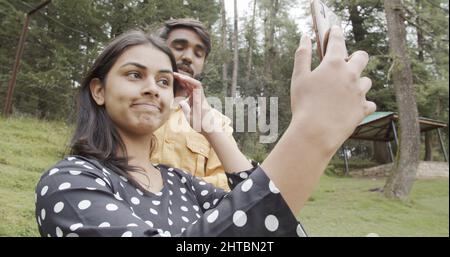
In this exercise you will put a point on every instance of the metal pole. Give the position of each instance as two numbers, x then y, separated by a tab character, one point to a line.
391	154
394	129
12	81
442	145
345	159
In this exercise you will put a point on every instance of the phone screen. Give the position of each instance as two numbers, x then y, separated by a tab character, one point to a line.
323	20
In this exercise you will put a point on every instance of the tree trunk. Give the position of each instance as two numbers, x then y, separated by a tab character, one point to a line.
269	47
223	30
420	43
428	146
381	152
357	23
400	182
251	43
420	46
236	52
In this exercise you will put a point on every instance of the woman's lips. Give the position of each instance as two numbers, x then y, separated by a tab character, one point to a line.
147	106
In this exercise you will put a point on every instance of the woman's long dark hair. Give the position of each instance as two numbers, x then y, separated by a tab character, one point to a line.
95	135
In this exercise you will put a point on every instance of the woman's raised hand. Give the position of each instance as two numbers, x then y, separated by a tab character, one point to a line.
195	107
332	97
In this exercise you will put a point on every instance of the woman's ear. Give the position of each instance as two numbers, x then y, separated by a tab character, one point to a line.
97	91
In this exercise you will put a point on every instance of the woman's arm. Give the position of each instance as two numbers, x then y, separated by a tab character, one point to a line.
232	159
327	104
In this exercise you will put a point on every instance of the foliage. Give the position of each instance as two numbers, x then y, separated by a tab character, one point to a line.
64	38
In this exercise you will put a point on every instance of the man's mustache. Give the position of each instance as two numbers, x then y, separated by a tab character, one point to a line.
185	67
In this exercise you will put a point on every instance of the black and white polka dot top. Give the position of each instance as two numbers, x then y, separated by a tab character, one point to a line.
80	197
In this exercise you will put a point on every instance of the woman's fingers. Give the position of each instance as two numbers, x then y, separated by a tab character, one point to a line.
358	61
365	84
186	109
191	85
184	85
187	87
369	108
187	81
182	82
336	44
192	108
302	63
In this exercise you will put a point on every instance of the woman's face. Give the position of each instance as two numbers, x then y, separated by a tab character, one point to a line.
138	91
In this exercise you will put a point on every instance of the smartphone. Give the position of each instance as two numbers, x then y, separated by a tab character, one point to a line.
323	20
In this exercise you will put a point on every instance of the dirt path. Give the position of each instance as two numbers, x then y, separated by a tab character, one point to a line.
426	170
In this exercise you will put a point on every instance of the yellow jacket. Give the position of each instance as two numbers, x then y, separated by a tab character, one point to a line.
180	146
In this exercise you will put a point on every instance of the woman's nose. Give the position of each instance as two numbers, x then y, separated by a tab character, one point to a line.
150	88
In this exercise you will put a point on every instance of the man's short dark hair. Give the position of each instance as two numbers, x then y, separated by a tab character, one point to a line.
194	25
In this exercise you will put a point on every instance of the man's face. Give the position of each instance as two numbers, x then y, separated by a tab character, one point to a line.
189	51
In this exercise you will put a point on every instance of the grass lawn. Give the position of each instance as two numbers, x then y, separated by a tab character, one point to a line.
338	207
27	148
346	207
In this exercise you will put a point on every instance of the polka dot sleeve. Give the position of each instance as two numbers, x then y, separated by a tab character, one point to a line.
77	199
236	178
254	207
209	196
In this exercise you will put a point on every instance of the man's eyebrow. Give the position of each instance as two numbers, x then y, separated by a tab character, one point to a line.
179	41
134	64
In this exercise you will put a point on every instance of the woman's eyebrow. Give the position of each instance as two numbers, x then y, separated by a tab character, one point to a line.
134	64
166	71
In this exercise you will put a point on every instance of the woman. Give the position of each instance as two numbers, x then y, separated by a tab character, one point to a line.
107	187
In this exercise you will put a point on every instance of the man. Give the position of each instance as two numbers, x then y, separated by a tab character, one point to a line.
178	145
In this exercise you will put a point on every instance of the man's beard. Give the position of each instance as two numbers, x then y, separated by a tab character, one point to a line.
185	68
